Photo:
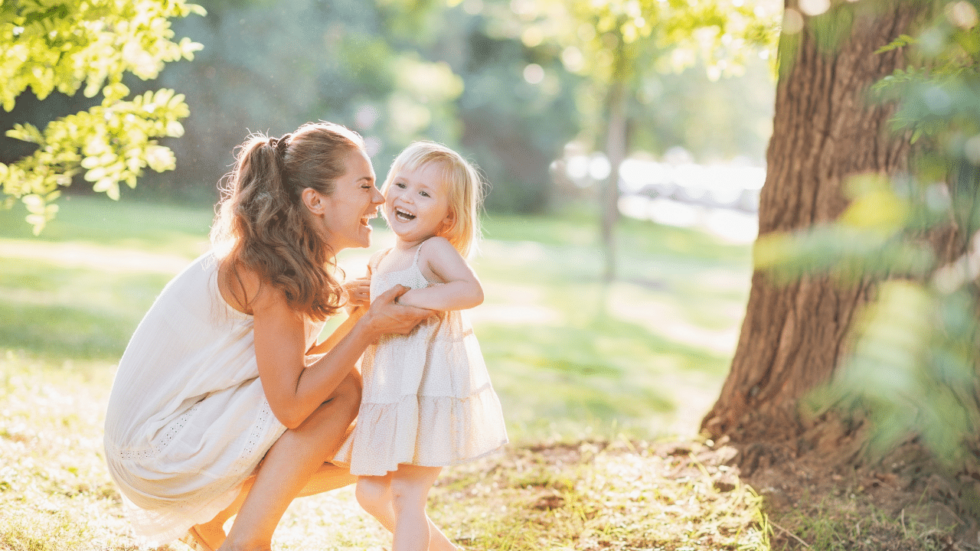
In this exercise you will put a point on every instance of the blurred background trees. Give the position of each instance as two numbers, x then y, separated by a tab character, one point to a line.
620	48
483	76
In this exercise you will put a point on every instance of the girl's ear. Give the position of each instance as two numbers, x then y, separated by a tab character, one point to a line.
448	223
313	200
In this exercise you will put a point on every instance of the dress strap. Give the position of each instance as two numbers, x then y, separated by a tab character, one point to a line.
415	261
376	260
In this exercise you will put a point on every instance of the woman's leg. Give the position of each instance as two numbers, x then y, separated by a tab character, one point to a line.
294	466
413	531
327	477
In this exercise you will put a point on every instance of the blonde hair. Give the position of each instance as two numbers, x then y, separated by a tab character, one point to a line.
463	183
262	224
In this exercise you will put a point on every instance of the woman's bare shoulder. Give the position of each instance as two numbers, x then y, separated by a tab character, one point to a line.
244	290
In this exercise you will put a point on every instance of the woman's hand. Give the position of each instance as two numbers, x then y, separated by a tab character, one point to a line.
386	315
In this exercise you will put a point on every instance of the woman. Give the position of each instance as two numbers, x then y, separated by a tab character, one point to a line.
223	403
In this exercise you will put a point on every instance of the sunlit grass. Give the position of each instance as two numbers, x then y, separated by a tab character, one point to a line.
145	227
55	492
572	359
570	356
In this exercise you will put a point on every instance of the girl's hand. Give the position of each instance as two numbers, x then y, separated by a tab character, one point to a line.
358	293
386	315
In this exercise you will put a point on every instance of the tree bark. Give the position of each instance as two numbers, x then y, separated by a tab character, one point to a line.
825	130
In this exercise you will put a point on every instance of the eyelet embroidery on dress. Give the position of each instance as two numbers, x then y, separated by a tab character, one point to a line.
254	438
168	437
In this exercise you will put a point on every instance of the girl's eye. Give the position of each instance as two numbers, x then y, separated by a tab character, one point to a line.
399	185
423	194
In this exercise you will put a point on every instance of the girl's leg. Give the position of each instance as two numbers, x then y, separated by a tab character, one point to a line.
374	495
413	531
294	466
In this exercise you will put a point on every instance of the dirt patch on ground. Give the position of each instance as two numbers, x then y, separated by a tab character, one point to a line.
819	501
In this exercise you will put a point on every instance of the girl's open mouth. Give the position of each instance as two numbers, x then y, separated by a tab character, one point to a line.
404	216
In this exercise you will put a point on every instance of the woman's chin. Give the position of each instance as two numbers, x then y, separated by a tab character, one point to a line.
364	237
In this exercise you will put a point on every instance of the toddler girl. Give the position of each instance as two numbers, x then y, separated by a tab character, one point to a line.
427	400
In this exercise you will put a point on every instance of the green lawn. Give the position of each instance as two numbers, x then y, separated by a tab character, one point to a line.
570	356
591	377
572	360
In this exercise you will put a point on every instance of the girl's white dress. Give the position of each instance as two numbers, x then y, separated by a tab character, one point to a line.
427	396
187	419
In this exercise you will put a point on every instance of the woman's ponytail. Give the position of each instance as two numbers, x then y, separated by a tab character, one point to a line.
262	224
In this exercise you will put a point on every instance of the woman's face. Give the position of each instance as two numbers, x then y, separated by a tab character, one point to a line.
345	214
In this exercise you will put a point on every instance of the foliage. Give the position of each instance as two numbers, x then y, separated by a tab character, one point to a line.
632	41
65	44
913	366
400	70
395	71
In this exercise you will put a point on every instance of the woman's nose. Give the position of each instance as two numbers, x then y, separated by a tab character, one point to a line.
377	198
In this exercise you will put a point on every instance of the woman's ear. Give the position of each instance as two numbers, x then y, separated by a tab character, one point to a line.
313	200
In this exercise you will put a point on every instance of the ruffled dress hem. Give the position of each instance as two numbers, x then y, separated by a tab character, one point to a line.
406	440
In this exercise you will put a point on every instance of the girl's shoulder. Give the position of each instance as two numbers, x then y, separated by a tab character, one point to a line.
438	256
437	245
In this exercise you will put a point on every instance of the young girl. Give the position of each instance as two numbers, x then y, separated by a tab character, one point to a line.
427	400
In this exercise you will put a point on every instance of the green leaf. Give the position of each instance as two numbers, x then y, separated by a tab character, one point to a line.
108	40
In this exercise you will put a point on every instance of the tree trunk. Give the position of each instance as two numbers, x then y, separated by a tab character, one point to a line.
615	152
825	130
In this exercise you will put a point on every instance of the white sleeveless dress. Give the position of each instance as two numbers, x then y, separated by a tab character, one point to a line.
427	396
187	419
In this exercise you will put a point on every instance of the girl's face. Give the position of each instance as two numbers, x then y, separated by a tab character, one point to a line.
417	204
345	213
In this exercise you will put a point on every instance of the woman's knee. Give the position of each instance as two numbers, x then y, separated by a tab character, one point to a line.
347	397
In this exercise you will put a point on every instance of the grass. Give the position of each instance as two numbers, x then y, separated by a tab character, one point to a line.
589	375
594	379
852	524
642	357
55	493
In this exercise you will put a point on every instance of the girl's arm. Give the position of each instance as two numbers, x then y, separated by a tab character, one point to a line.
340	332
461	289
293	390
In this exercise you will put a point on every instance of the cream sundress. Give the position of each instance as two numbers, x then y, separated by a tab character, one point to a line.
427	396
187	419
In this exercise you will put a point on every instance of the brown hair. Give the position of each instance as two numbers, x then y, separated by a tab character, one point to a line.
262	224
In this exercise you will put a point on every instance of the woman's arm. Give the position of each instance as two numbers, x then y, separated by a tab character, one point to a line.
461	288
294	391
